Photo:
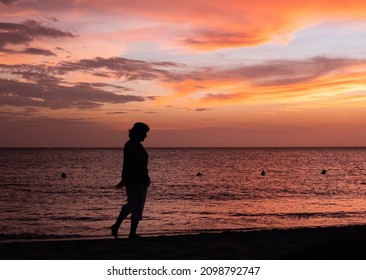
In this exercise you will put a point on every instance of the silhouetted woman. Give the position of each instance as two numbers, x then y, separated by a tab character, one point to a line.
135	178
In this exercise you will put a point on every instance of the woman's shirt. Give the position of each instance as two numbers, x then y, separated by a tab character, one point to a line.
135	161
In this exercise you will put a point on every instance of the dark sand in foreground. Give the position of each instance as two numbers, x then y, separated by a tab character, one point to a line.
331	243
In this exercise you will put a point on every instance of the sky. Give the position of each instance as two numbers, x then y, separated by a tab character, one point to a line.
208	73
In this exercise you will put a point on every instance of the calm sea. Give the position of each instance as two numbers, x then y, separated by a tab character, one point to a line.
231	194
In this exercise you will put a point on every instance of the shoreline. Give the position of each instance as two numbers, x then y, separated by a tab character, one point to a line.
318	243
46	238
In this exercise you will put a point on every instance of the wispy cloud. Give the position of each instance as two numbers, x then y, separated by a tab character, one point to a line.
46	86
22	34
202	109
209	24
271	80
218	39
53	96
8	2
38	51
121	68
287	72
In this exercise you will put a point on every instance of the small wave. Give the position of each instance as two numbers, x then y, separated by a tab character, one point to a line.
340	214
77	219
14	185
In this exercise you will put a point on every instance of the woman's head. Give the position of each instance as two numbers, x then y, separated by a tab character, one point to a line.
138	131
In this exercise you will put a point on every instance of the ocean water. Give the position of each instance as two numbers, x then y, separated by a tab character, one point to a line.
231	194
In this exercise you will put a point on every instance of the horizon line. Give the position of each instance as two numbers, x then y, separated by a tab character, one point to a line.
184	147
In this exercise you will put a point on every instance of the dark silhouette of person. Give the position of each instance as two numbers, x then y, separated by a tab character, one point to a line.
135	179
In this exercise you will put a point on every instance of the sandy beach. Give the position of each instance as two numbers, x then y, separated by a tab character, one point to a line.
331	243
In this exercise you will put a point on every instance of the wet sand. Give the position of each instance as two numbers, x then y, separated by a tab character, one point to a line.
329	243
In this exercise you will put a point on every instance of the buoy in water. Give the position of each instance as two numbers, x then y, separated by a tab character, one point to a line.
199	174
263	173
63	175
323	172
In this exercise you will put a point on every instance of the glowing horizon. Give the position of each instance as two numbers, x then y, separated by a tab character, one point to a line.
203	73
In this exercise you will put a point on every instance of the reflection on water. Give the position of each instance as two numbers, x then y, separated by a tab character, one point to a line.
231	193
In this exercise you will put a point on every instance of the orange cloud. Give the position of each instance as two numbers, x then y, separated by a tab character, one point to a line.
315	79
328	91
208	24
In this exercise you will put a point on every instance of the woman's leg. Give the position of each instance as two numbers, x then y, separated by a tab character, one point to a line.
134	224
137	209
122	215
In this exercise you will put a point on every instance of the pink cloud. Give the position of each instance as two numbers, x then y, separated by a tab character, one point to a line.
25	33
207	24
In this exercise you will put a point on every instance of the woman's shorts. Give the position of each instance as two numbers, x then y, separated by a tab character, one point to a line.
136	196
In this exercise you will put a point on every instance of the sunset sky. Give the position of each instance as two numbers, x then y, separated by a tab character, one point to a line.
199	73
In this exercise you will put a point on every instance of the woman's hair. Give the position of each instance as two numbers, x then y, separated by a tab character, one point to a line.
139	129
